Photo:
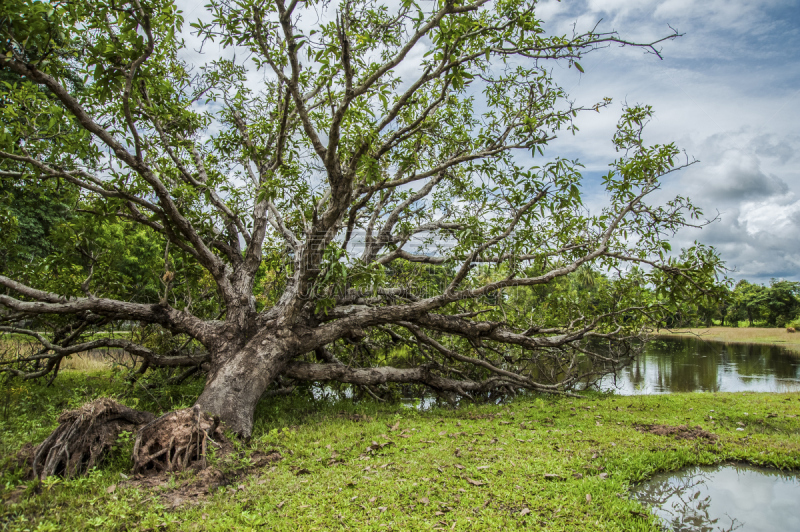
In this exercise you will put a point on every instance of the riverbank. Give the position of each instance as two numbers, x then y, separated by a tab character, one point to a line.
538	463
739	335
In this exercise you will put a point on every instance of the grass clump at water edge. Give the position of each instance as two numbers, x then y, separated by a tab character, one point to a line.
538	463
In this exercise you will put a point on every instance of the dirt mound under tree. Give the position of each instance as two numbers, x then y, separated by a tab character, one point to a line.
194	488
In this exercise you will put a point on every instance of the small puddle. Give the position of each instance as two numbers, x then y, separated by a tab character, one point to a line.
723	498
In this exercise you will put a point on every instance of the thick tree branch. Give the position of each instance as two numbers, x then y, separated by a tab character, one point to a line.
382	375
49	303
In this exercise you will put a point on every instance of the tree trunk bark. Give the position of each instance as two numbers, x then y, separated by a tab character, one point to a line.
236	382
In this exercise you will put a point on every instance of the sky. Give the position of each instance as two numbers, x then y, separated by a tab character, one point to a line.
726	92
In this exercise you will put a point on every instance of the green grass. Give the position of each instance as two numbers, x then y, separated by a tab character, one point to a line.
424	481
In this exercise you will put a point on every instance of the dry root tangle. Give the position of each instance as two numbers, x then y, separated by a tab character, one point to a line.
83	437
175	441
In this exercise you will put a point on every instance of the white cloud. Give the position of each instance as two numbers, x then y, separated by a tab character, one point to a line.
771	217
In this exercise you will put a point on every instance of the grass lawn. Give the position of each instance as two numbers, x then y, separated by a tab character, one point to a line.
740	335
538	463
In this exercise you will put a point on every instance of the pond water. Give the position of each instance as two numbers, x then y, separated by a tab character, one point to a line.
692	365
730	497
677	365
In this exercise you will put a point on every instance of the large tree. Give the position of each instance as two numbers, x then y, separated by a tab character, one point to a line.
354	181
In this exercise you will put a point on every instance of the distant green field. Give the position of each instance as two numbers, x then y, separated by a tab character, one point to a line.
741	335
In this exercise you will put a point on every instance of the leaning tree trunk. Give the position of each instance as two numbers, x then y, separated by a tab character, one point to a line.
237	381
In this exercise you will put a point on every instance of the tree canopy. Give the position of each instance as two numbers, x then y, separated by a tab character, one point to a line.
357	192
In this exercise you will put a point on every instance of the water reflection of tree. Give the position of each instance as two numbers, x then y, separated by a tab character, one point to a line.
763	359
688	364
680	503
676	366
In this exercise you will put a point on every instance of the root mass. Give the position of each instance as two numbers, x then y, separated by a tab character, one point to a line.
176	441
83	438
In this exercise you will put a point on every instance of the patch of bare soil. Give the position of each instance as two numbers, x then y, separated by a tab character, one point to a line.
193	489
681	432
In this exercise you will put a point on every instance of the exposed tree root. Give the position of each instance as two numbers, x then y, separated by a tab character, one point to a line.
83	437
175	441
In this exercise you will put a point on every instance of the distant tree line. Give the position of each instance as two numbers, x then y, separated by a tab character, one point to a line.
773	305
